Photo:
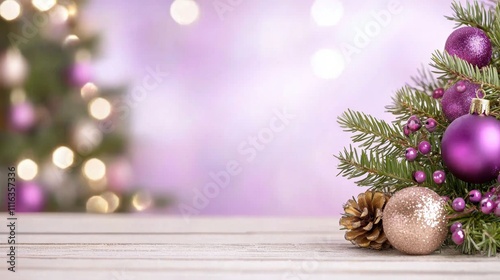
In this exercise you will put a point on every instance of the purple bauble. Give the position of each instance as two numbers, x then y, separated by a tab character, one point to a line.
30	197
455	226
80	74
457	99
475	196
458	236
471	148
411	154
22	116
470	44
458	204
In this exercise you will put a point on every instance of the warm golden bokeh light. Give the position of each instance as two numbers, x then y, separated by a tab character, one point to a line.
10	10
142	200
99	108
113	201
94	169
97	204
63	157
43	5
184	12
89	90
27	169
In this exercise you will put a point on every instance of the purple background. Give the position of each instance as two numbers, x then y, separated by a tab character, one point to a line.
226	78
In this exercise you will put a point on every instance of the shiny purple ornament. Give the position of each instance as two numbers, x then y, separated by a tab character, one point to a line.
471	148
458	236
419	176
406	130
80	73
455	226
424	147
414	123
22	116
438	93
470	44
430	124
439	177
457	99
411	154
497	209
487	206
30	197
475	196
458	204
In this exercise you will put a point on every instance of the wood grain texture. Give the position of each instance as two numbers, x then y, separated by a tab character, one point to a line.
121	247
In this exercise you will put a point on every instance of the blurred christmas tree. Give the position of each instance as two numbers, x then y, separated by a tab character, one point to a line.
57	127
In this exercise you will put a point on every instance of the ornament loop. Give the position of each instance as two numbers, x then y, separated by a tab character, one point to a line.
480	106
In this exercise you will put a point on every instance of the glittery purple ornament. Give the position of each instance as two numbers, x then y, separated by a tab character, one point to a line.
458	204
470	44
30	197
458	236
22	116
80	73
458	98
475	196
471	148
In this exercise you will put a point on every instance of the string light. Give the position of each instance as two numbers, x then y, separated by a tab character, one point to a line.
327	64
63	157
89	90
10	10
327	12
43	5
94	169
27	169
99	108
141	200
113	201
184	12
97	204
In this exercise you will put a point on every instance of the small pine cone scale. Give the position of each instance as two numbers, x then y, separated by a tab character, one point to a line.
363	220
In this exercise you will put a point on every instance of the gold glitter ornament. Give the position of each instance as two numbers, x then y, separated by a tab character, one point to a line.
414	221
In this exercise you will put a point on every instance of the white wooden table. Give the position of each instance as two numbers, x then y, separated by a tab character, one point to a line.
120	247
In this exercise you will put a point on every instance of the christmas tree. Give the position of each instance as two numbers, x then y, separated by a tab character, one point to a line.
59	129
445	137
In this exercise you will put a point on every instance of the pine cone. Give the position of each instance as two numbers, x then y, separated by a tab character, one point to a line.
363	220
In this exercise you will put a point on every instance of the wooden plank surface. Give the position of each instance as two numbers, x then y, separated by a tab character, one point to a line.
120	247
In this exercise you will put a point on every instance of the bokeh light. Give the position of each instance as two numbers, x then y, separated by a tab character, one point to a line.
94	169
113	201
89	90
327	12
99	108
97	204
43	5
327	64
27	169
63	157
184	12
59	14
142	200
10	10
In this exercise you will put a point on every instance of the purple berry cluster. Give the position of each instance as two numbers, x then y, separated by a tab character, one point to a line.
488	203
424	148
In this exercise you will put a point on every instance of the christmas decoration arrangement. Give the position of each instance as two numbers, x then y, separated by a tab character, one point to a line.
59	129
434	173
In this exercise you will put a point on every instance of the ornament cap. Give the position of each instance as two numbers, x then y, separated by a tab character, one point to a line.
480	106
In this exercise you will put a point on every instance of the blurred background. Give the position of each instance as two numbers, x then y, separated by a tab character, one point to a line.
191	107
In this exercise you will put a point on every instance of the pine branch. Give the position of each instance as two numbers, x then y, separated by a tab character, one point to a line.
410	101
424	81
482	232
384	174
474	14
373	133
453	68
